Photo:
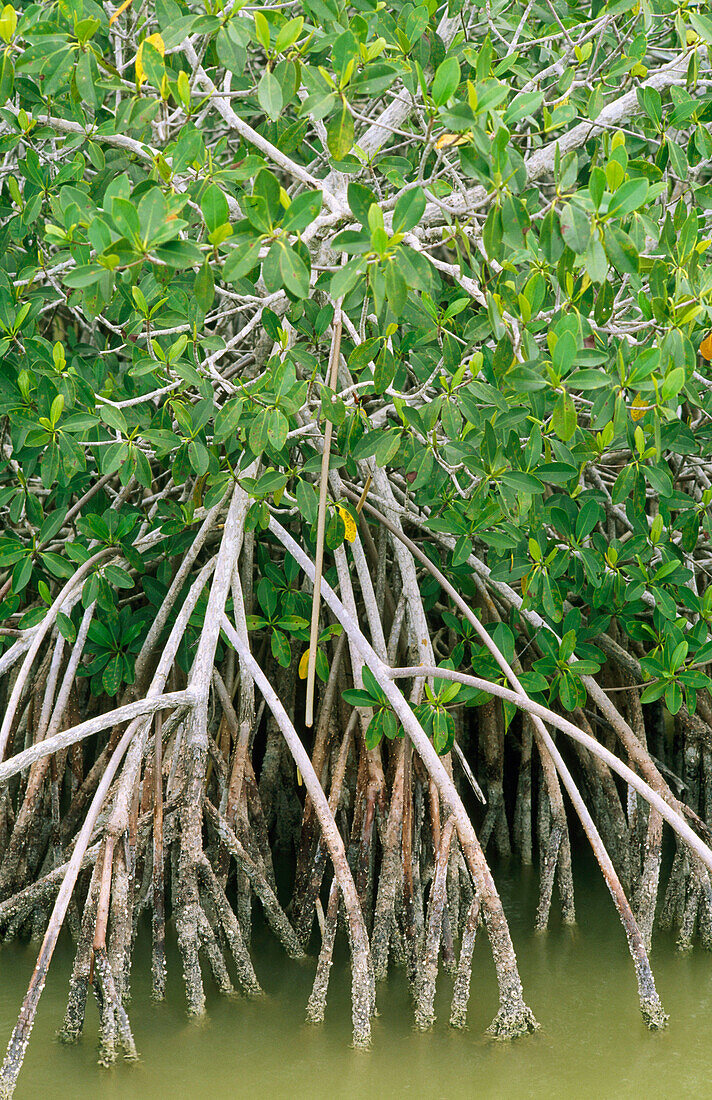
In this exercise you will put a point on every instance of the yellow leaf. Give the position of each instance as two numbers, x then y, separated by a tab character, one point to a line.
447	141
706	347
157	42
349	524
639	408
118	11
303	664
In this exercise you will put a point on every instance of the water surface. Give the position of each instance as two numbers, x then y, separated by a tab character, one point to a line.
579	983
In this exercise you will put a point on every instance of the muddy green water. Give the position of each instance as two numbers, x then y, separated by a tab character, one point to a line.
579	983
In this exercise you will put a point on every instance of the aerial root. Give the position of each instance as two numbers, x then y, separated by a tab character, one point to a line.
410	874
316	1005
512	1021
115	1029
653	1013
428	964
231	929
461	988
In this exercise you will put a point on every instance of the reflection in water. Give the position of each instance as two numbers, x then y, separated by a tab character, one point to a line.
580	984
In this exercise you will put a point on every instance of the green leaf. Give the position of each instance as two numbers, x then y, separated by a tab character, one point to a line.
550	237
111	677
86	75
443	731
277	428
302	211
575	227
384	371
340	132
204	287
447	79
179	254
289	34
703	26
117	576
346	277
227	419
214	207
114	418
152	216
262	30
563	420
371	684
293	271
241	261
7	78
673	697
360	199
523	105
673	383
653	692
155	70
85	275
629	196
280	648
51	525
409	210
269	95
621	251
522	483
374	733
396	288
387	448
390	725
357	697
307	500
596	262
66	628
21	574
198	457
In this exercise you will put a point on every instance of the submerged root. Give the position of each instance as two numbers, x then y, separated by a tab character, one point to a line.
231	930
428	964
461	988
316	1004
115	1030
653	1013
513	1020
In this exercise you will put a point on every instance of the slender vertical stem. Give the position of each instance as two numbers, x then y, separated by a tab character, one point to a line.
102	910
159	926
321	522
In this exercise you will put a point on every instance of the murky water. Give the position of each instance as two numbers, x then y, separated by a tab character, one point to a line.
580	985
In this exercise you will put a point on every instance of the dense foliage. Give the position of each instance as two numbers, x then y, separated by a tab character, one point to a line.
470	244
526	295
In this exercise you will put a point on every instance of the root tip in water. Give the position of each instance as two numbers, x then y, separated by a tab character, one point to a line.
512	1021
656	1019
424	1021
361	1042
